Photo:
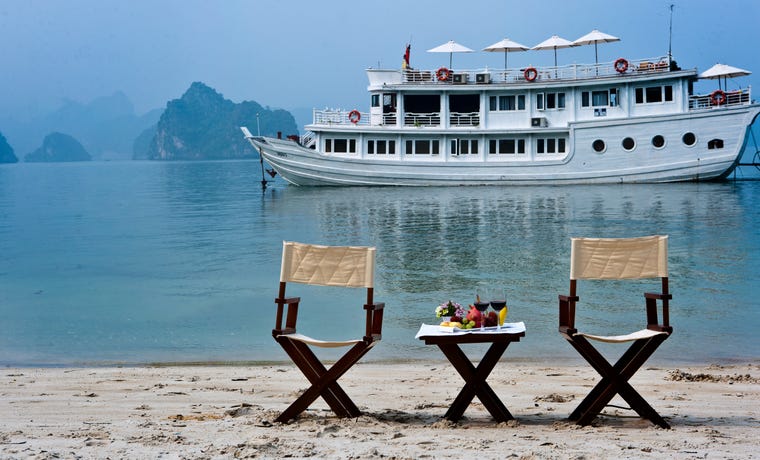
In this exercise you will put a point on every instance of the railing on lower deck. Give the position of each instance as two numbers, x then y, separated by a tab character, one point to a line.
338	117
464	119
721	98
422	119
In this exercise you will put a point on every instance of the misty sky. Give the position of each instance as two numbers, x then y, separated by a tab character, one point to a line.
304	54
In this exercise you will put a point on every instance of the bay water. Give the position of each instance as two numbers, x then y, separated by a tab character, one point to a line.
155	262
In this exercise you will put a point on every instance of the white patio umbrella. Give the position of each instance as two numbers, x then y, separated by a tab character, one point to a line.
554	42
506	46
595	37
450	47
724	71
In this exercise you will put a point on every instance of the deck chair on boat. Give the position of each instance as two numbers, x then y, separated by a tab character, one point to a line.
617	259
342	266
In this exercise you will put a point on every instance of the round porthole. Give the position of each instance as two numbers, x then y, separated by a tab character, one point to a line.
658	141
689	139
628	144
598	146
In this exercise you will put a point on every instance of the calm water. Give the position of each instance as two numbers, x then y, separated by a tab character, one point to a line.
135	262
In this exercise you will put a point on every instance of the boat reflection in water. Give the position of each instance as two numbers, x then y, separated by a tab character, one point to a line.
436	244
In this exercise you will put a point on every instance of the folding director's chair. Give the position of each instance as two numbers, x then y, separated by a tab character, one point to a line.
617	259
343	266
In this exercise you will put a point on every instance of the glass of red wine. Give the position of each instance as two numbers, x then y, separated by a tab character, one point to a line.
498	301
482	306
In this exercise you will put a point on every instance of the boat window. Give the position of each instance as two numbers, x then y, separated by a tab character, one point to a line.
600	98
464	103
464	146
715	144
422	147
658	141
375	100
506	146
422	103
381	147
689	139
550	145
599	146
553	101
654	94
628	144
603	98
340	145
506	103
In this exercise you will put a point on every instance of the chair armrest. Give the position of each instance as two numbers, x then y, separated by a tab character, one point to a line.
283	331
288	300
374	327
657	296
291	314
567	311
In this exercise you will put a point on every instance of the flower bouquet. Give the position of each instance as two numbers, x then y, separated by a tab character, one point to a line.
448	309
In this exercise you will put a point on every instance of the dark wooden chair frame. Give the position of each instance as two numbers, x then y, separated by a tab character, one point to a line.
615	378
324	382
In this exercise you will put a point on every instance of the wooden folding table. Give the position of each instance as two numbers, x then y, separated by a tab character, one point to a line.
474	377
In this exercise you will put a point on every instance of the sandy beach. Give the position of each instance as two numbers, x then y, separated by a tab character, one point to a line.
228	412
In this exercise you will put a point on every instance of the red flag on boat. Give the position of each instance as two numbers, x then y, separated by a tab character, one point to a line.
405	64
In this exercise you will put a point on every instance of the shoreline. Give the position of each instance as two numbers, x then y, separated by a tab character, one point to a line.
520	360
222	411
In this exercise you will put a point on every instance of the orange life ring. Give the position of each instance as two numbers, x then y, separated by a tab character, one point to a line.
354	116
443	74
530	73
718	97
621	65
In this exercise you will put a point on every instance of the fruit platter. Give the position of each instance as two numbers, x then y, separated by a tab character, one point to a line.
477	317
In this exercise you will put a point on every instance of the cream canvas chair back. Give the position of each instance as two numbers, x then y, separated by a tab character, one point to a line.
619	258
343	266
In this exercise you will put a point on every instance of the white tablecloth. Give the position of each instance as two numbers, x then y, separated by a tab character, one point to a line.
427	330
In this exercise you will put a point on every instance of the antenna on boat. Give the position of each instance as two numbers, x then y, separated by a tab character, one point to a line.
261	157
670	37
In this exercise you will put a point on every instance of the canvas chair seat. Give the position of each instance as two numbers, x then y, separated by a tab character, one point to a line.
339	267
320	343
638	335
617	259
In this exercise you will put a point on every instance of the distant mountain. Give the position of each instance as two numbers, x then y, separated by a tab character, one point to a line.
6	151
202	125
107	126
58	147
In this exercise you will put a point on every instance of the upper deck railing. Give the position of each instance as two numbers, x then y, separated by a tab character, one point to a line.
529	74
721	98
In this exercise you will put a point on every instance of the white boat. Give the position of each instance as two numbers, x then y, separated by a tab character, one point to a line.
622	121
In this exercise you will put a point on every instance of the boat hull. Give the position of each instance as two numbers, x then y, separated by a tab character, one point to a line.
673	162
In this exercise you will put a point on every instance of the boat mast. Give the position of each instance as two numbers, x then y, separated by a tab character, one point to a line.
670	37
